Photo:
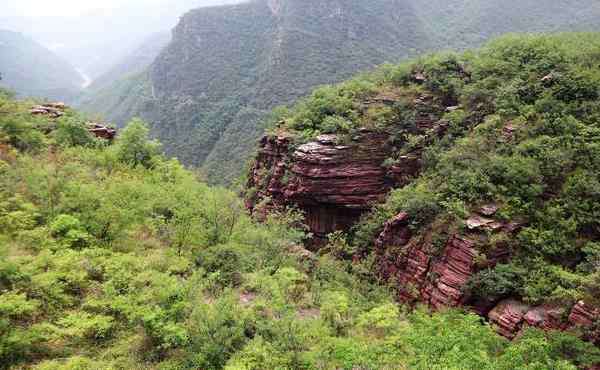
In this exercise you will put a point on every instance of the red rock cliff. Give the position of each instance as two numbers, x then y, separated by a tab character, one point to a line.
437	277
333	183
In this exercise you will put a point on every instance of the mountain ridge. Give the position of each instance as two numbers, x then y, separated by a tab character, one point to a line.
210	90
34	71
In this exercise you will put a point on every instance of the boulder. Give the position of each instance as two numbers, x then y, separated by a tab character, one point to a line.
545	317
508	317
101	131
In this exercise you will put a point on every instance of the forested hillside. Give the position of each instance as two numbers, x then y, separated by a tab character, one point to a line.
125	88
227	67
464	180
34	71
113	256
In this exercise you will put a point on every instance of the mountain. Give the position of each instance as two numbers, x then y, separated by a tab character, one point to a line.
123	86
228	67
465	23
135	62
113	256
34	71
104	35
463	180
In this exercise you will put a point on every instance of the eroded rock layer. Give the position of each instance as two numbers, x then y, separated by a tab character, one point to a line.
438	277
331	181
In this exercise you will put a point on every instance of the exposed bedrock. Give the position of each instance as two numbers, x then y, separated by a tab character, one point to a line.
332	182
438	276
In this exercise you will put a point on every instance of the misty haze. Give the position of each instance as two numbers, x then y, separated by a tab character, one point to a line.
300	184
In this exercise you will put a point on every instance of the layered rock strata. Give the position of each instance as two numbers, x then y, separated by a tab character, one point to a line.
57	110
424	273
332	182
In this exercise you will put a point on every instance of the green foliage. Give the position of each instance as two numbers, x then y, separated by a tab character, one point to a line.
495	284
453	341
223	263
71	131
112	256
21	134
133	147
69	231
217	331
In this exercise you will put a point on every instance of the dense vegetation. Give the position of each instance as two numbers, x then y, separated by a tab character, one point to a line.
114	257
34	71
228	67
522	133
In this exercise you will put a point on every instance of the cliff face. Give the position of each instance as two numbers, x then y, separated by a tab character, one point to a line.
333	183
335	179
467	212
423	273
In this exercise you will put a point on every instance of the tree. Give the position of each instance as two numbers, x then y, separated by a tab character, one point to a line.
133	146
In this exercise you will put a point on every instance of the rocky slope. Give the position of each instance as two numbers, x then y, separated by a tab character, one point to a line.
334	179
434	169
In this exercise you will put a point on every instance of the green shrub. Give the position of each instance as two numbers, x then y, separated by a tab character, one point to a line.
71	131
493	284
133	146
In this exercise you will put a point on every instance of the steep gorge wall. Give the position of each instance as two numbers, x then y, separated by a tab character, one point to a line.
335	179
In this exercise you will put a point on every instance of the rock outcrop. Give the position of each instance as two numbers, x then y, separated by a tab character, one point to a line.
101	131
58	109
52	110
333	183
334	179
424	273
508	317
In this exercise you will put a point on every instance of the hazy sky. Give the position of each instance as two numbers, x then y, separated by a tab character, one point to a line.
60	7
38	8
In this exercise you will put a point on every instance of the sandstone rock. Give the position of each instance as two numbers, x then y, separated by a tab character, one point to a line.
395	232
488	210
47	110
508	131
406	168
408	270
453	271
332	184
419	77
545	317
583	315
478	222
101	131
335	179
57	105
508	317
